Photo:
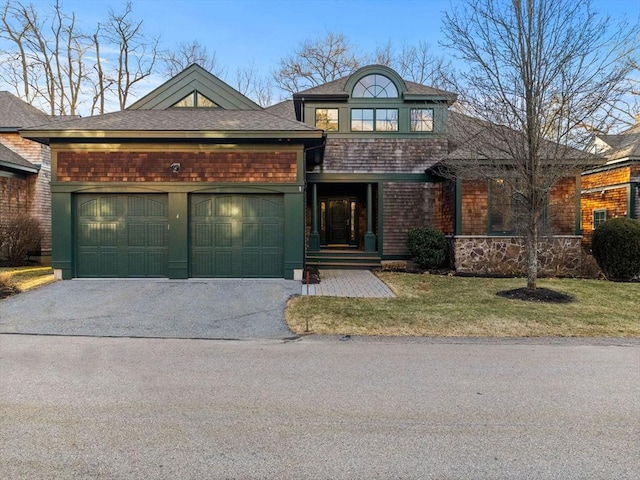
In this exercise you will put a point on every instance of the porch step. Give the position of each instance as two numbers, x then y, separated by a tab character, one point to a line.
347	260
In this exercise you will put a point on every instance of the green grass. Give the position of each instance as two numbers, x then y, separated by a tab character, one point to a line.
431	305
26	278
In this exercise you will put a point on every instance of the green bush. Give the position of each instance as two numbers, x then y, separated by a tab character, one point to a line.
428	247
616	248
18	238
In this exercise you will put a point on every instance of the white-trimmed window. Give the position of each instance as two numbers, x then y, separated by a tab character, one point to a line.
599	217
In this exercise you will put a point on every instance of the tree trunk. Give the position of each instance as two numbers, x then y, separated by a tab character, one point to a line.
532	257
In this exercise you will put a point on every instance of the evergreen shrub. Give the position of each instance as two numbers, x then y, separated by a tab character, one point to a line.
428	247
616	248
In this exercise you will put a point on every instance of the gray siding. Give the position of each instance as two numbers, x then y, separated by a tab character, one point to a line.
382	155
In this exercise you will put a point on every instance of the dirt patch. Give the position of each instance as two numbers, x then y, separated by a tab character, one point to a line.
536	295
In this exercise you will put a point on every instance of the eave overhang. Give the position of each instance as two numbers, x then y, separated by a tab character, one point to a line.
414	97
46	136
19	168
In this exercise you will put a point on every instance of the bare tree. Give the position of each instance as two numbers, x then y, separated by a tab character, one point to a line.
137	53
46	57
417	63
250	83
316	62
189	53
537	71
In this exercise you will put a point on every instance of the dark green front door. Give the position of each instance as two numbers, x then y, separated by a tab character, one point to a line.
237	235
120	235
338	222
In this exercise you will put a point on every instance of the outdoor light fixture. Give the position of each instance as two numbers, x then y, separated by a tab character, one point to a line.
175	167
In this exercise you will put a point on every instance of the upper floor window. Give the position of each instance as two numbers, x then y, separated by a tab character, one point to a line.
422	120
375	86
327	119
195	99
378	119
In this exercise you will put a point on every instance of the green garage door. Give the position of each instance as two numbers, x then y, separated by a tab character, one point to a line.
122	235
237	235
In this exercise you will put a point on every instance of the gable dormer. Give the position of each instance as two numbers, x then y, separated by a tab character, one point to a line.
194	87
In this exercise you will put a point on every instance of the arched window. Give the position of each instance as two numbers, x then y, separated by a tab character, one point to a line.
375	86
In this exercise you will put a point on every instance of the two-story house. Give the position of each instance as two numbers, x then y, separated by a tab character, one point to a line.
196	180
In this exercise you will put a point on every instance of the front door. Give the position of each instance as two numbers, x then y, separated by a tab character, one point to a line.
338	222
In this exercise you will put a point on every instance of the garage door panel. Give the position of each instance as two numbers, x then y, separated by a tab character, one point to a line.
250	260
270	209
109	263
250	234
225	207
203	208
271	235
89	234
156	234
271	262
121	235
223	264
244	228
203	234
251	207
108	234
223	235
202	263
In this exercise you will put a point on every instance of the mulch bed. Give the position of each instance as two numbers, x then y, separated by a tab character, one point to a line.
536	295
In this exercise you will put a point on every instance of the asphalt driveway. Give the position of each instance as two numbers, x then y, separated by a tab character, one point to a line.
194	308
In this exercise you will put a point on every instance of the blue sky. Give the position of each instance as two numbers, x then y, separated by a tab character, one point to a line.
261	32
264	31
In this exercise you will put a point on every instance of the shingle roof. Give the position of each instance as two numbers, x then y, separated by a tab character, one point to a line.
283	109
337	87
471	138
8	156
16	113
624	145
179	119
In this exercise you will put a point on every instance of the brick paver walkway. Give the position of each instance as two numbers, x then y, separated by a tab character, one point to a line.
348	283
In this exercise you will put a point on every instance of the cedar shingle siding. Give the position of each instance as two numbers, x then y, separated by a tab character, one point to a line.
406	205
269	167
389	155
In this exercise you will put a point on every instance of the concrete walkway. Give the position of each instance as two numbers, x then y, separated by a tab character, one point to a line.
348	283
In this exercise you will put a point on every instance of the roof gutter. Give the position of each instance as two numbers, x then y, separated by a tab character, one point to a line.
21	168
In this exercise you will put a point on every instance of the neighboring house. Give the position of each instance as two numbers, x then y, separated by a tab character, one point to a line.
611	190
25	168
196	180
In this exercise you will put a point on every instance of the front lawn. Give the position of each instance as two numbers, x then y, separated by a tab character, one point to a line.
24	278
432	305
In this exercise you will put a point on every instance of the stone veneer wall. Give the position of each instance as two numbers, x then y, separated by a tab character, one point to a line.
483	255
